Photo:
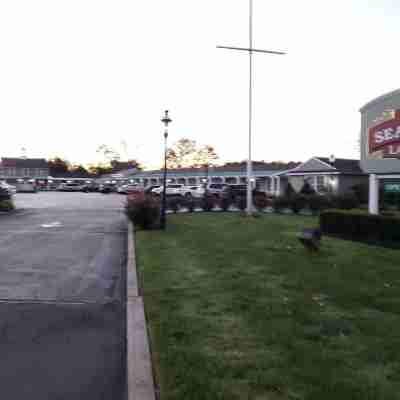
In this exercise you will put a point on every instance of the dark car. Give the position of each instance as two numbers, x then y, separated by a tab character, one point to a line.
233	191
90	187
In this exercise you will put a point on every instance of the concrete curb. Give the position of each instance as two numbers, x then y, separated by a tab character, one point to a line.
140	382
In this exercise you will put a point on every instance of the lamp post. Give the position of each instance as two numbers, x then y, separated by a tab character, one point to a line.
165	120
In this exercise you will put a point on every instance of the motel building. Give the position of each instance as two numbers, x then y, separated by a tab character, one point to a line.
380	146
272	182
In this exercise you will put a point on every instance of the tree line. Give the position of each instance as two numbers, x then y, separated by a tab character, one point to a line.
184	153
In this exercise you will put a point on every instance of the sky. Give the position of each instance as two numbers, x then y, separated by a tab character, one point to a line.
77	74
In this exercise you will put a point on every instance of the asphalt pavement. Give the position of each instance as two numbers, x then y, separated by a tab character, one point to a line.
62	297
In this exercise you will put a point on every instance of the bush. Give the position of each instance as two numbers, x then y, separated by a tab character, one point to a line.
208	202
173	204
280	202
361	191
289	191
6	205
225	203
317	203
241	202
190	204
345	201
4	195
260	202
143	211
358	224
298	203
307	189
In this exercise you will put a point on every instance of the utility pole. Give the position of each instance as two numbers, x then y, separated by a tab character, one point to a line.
250	50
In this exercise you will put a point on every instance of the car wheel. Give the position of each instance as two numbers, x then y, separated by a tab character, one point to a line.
188	195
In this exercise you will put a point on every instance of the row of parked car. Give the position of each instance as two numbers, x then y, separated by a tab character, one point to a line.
219	190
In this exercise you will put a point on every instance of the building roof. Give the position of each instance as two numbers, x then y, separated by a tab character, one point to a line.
341	165
380	99
24	162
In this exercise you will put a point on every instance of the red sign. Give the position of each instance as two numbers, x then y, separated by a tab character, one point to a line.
384	138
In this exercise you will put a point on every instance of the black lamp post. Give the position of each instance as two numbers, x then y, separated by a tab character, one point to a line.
165	120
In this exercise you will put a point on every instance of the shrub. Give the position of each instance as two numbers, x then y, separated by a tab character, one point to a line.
190	204
225	203
208	202
260	202
317	203
307	189
361	191
143	211
4	195
173	204
6	205
241	202
298	203
289	191
280	202
358	224
345	201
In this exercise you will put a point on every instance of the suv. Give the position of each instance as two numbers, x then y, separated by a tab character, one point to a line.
215	188
171	190
233	191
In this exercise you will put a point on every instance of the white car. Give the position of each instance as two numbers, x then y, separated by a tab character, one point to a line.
193	191
172	189
10	188
129	188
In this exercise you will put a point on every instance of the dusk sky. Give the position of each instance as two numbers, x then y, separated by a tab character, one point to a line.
78	74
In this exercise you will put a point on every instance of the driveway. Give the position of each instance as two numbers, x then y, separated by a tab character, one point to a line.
62	318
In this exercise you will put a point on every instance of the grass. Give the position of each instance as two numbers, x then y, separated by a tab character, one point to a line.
238	309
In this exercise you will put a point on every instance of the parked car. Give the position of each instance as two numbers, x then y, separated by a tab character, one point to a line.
90	187
215	188
129	188
26	186
71	187
233	191
11	190
194	191
149	190
171	190
107	187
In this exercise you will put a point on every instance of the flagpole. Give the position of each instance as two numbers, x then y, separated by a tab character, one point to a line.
249	202
251	50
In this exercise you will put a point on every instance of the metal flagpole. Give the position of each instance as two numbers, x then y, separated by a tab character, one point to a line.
250	50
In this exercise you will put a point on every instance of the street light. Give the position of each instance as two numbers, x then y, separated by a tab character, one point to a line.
165	120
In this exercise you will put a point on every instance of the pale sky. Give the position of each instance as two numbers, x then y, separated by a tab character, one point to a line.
79	73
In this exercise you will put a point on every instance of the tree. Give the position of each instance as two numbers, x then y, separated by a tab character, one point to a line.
108	153
58	167
206	155
185	153
121	165
79	171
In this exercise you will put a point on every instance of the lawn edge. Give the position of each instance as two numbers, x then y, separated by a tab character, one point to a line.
140	381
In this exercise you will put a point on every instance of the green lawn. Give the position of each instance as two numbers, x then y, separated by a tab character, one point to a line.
239	310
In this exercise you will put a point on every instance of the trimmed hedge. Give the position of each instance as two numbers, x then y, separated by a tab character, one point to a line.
358	224
7	205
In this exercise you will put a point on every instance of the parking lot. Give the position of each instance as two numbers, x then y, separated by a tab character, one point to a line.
62	318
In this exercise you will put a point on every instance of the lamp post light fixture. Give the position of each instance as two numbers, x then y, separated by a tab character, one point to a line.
165	120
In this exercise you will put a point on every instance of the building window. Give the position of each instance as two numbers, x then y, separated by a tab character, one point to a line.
320	183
